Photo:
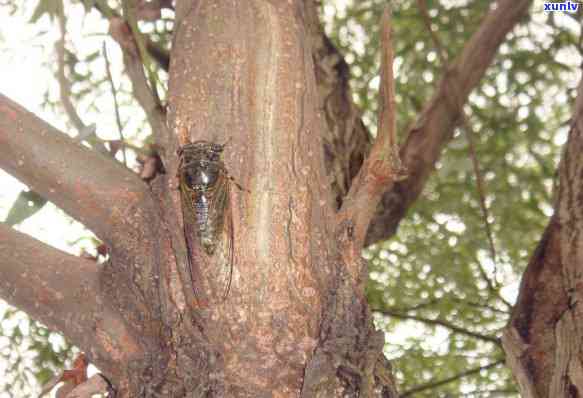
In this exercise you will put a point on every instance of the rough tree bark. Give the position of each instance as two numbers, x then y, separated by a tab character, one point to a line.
543	337
296	322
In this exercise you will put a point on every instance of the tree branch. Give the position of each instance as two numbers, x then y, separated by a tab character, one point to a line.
63	292
85	132
100	193
458	103
439	322
133	51
383	167
434	126
130	16
438	383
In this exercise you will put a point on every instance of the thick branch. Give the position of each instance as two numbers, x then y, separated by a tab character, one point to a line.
434	126
63	292
100	193
440	322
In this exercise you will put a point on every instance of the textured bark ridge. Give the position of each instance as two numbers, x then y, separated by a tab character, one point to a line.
543	340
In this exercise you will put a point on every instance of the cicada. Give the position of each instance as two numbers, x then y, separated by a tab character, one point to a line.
204	191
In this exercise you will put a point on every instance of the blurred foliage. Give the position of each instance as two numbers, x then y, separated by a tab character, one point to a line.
438	267
30	354
434	286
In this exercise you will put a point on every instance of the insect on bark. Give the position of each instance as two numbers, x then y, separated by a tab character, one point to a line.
204	191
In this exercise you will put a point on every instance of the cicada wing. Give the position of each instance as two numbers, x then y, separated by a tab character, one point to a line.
230	250
220	216
190	237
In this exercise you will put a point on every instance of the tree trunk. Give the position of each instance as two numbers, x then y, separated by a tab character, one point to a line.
256	91
543	338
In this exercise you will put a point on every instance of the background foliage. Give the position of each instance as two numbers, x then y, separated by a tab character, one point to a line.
435	287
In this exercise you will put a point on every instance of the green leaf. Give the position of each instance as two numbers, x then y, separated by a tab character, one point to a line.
26	204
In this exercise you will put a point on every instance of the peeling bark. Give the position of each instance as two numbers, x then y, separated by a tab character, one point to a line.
543	340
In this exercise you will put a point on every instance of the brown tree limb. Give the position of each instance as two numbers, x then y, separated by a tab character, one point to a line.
434	126
256	87
85	132
439	322
121	32
383	166
438	383
63	292
458	103
99	192
379	171
130	13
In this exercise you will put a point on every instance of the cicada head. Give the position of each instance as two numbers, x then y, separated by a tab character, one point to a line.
201	165
201	175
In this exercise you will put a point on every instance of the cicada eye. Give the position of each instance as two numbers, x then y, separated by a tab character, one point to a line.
217	148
